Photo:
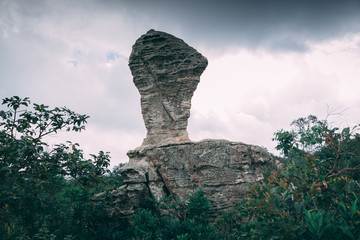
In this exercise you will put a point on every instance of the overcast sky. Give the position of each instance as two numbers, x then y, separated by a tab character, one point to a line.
270	62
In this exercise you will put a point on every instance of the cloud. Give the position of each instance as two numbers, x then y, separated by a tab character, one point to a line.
272	25
63	56
74	63
277	25
112	56
96	138
270	62
246	95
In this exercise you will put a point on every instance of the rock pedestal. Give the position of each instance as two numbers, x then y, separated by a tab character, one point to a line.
166	72
221	168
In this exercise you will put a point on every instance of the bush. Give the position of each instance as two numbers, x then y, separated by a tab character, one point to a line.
195	226
316	194
45	191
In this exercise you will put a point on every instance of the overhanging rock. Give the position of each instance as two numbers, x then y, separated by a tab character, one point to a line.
166	72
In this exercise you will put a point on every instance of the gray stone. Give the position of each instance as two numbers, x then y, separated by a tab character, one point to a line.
166	72
220	167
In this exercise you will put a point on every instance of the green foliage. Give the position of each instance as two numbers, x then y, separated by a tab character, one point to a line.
198	207
45	191
196	225
315	195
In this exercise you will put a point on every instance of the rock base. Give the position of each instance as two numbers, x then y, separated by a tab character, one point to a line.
220	167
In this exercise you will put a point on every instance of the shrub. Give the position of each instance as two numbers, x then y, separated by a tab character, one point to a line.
45	191
316	194
195	226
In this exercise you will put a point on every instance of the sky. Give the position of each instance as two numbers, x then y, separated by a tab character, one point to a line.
270	62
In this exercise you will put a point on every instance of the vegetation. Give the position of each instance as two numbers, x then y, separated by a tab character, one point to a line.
45	191
314	196
313	192
194	222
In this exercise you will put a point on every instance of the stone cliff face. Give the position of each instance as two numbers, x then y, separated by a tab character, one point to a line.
166	71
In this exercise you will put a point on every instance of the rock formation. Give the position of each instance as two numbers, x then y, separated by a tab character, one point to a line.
166	71
221	168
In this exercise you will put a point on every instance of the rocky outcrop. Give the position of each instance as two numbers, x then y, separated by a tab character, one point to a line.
166	72
221	168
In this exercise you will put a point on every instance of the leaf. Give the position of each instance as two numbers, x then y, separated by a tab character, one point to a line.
298	208
347	231
346	131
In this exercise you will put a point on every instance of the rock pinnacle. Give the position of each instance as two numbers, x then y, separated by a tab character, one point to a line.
166	72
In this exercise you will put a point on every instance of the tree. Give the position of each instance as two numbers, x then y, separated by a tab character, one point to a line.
315	195
334	152
37	180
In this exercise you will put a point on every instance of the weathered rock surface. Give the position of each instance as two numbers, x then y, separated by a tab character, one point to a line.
221	168
166	72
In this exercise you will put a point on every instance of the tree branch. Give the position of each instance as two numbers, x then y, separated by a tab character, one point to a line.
357	167
336	161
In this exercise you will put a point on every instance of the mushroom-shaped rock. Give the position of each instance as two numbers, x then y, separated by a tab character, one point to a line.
166	72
